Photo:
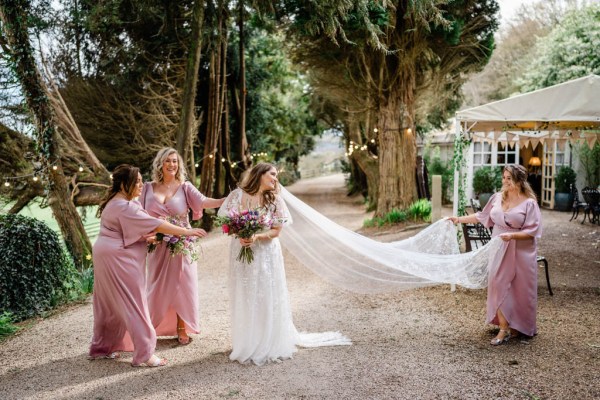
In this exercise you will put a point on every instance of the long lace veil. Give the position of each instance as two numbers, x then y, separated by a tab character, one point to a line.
359	264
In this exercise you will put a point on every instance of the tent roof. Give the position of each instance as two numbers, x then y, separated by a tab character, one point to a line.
572	105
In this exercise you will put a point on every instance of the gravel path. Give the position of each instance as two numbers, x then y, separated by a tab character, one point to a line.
421	344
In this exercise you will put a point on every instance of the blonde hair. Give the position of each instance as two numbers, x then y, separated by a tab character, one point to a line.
251	183
159	160
518	174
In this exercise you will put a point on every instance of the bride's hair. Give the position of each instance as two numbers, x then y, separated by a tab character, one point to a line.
251	183
157	164
124	177
518	174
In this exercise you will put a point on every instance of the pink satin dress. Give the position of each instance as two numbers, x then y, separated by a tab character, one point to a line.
173	280
512	281
121	318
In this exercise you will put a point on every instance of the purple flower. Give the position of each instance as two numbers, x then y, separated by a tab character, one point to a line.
174	239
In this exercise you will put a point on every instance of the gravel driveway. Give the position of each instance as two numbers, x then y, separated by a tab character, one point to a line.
426	343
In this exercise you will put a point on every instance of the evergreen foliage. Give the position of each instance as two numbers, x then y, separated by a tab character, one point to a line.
36	273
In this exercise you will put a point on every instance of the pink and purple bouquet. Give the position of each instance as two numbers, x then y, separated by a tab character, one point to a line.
243	224
185	245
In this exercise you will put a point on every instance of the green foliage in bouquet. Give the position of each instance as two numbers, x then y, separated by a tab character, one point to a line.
36	273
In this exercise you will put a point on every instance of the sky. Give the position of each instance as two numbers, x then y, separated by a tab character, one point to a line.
509	7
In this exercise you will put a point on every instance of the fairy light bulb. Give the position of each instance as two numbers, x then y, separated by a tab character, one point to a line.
372	140
35	178
196	165
210	156
375	130
54	167
7	184
223	160
80	168
111	177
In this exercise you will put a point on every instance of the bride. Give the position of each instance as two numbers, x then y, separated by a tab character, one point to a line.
261	318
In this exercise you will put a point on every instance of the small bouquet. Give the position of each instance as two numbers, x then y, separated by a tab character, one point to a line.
185	245
244	224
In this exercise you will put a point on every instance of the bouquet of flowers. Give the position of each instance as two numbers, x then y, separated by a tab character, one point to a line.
185	245
244	224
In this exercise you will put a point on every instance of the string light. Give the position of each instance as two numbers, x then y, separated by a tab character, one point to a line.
375	130
80	168
210	156
196	165
7	184
373	140
222	160
54	167
35	178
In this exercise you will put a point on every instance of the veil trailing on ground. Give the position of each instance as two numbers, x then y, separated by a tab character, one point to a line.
359	264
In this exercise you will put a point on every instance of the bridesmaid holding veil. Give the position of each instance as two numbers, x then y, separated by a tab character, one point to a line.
261	318
173	280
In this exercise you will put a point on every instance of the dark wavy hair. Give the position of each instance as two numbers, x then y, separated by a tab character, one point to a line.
251	183
518	173
124	177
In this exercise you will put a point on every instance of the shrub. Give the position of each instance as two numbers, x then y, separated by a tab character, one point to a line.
36	273
420	210
565	177
487	180
6	325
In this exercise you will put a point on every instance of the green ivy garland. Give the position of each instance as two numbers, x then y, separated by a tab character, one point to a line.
459	162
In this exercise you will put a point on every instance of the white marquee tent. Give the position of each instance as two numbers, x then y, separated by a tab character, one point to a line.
553	116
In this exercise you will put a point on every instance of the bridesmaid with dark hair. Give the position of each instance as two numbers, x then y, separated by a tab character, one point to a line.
121	317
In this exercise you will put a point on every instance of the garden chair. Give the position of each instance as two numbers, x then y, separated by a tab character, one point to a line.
592	209
577	203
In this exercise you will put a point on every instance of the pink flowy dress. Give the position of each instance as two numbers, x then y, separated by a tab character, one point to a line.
512	280
121	317
173	280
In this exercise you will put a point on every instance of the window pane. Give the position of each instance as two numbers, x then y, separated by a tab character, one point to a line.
510	158
487	159
487	147
477	147
500	146
477	159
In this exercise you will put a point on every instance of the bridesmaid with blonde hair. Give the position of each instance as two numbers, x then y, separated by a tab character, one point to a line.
173	279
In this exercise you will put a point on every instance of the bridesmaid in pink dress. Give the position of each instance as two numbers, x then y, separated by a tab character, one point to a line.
173	280
121	317
512	285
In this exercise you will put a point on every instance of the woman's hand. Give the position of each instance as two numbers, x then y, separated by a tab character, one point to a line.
198	232
247	242
453	219
506	236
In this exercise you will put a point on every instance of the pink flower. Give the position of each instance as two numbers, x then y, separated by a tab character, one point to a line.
225	228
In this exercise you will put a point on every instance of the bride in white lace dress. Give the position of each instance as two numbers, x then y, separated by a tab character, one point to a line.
261	318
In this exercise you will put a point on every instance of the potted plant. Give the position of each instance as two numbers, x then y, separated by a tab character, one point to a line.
563	195
486	180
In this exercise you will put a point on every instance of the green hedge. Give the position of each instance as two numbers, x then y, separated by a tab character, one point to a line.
36	273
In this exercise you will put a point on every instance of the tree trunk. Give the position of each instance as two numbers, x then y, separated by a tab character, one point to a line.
187	122
367	164
243	140
397	149
14	16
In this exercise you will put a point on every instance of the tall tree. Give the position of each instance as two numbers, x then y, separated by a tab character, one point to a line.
393	54
188	122
13	16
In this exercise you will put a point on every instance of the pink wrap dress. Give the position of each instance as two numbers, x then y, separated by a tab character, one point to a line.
512	280
173	280
121	318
